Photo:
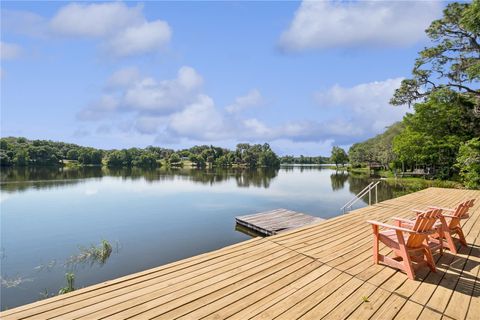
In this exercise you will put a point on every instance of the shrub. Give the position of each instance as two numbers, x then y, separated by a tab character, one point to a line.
468	162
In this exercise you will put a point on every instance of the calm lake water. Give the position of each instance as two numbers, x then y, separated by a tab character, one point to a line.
149	217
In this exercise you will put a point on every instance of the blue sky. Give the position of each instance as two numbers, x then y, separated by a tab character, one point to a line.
302	76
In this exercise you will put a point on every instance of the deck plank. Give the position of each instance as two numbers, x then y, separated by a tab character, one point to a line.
276	221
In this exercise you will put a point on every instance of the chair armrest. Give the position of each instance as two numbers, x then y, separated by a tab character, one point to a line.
389	226
448	215
404	220
465	216
443	209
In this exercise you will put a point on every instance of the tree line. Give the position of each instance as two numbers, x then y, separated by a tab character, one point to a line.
304	160
377	150
442	135
21	152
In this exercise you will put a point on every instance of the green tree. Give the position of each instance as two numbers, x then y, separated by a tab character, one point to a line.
116	158
208	155
72	154
434	133
43	155
145	160
377	149
452	62
339	156
5	158
96	157
468	161
198	160
84	156
21	158
268	158
174	159
223	162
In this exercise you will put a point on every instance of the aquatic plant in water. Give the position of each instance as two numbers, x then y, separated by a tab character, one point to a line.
45	294
13	282
93	254
70	277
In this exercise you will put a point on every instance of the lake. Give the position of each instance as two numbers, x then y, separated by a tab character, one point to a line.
51	217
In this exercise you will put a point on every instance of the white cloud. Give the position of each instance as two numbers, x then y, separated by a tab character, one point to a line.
177	111
9	51
95	20
365	105
251	99
189	78
333	24
148	125
128	91
365	111
255	128
103	107
200	121
144	38
122	30
150	95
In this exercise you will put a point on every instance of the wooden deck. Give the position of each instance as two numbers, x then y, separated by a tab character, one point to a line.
276	221
321	271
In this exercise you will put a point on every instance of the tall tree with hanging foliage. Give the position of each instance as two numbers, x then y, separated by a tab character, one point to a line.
452	62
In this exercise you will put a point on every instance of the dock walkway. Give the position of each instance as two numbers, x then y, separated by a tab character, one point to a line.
276	221
322	271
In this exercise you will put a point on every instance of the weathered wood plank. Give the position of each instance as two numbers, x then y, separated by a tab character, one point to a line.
276	221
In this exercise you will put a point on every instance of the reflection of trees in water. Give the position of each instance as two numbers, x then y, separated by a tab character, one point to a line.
20	179
305	167
338	180
385	191
48	173
256	178
357	183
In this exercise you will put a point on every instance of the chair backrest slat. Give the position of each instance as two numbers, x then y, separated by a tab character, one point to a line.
425	222
459	212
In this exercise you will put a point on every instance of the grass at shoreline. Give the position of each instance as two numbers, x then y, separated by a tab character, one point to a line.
404	186
420	183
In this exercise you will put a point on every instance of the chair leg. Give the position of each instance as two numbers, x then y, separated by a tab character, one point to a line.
407	262
450	242
461	237
375	244
429	258
441	236
408	266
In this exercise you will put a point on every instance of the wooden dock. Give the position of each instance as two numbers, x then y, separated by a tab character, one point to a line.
276	221
321	271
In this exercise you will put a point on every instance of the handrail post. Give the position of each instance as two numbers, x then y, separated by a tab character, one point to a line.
363	193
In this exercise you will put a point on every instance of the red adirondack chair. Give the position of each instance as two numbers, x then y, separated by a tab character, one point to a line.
451	226
410	245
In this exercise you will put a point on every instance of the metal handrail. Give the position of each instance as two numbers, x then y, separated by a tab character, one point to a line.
361	194
354	198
